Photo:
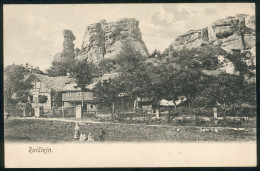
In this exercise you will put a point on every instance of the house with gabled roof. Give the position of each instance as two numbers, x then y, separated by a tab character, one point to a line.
47	86
63	91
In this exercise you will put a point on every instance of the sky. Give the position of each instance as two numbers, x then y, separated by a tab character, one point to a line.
33	33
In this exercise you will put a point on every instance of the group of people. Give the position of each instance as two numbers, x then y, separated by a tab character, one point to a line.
82	136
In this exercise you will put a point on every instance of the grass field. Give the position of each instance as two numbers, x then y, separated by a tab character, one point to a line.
34	130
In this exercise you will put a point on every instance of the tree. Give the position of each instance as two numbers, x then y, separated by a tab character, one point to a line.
83	72
129	59
59	68
107	65
156	54
107	93
227	90
240	65
42	99
14	81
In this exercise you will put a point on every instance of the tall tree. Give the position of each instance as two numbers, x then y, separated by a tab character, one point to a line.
129	59
227	90
14	81
107	65
106	93
83	72
59	68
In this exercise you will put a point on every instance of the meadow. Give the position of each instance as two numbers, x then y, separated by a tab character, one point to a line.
51	131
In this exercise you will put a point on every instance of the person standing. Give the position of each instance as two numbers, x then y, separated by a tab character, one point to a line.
101	134
90	138
82	136
77	133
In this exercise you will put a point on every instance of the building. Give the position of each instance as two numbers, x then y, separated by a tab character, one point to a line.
46	86
62	91
72	96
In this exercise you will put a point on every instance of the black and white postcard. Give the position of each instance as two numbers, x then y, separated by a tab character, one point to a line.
129	85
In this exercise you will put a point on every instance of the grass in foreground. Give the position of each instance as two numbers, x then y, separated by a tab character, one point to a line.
26	130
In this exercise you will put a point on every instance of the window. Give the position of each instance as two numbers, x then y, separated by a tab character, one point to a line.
68	94
91	106
38	85
79	94
125	105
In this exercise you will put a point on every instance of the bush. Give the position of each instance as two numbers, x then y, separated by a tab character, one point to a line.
248	112
202	121
200	111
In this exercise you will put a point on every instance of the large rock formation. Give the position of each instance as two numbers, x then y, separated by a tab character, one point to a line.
68	48
231	33
105	40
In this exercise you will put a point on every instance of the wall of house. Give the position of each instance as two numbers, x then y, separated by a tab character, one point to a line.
88	106
77	96
40	89
120	104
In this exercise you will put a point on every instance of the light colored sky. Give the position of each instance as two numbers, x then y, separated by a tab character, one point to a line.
33	33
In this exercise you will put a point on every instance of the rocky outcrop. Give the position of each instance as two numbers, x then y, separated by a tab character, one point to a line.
105	40
231	33
68	47
193	39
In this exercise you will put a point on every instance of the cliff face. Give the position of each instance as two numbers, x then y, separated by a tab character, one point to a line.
105	40
68	47
231	33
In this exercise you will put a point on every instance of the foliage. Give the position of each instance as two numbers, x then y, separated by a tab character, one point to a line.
228	91
129	59
59	68
106	93
57	99
14	81
107	65
156	54
240	65
84	72
182	75
137	83
42	99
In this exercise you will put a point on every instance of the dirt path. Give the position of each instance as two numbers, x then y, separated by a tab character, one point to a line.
149	125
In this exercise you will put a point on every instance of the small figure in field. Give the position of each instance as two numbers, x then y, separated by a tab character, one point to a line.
77	133
90	138
101	134
82	136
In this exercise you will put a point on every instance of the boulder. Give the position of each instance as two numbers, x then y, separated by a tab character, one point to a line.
249	41
68	47
193	39
232	42
232	33
250	22
105	40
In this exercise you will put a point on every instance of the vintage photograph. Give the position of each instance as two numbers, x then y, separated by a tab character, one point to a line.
100	74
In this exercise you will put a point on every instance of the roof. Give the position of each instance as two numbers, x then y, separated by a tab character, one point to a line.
55	83
65	83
